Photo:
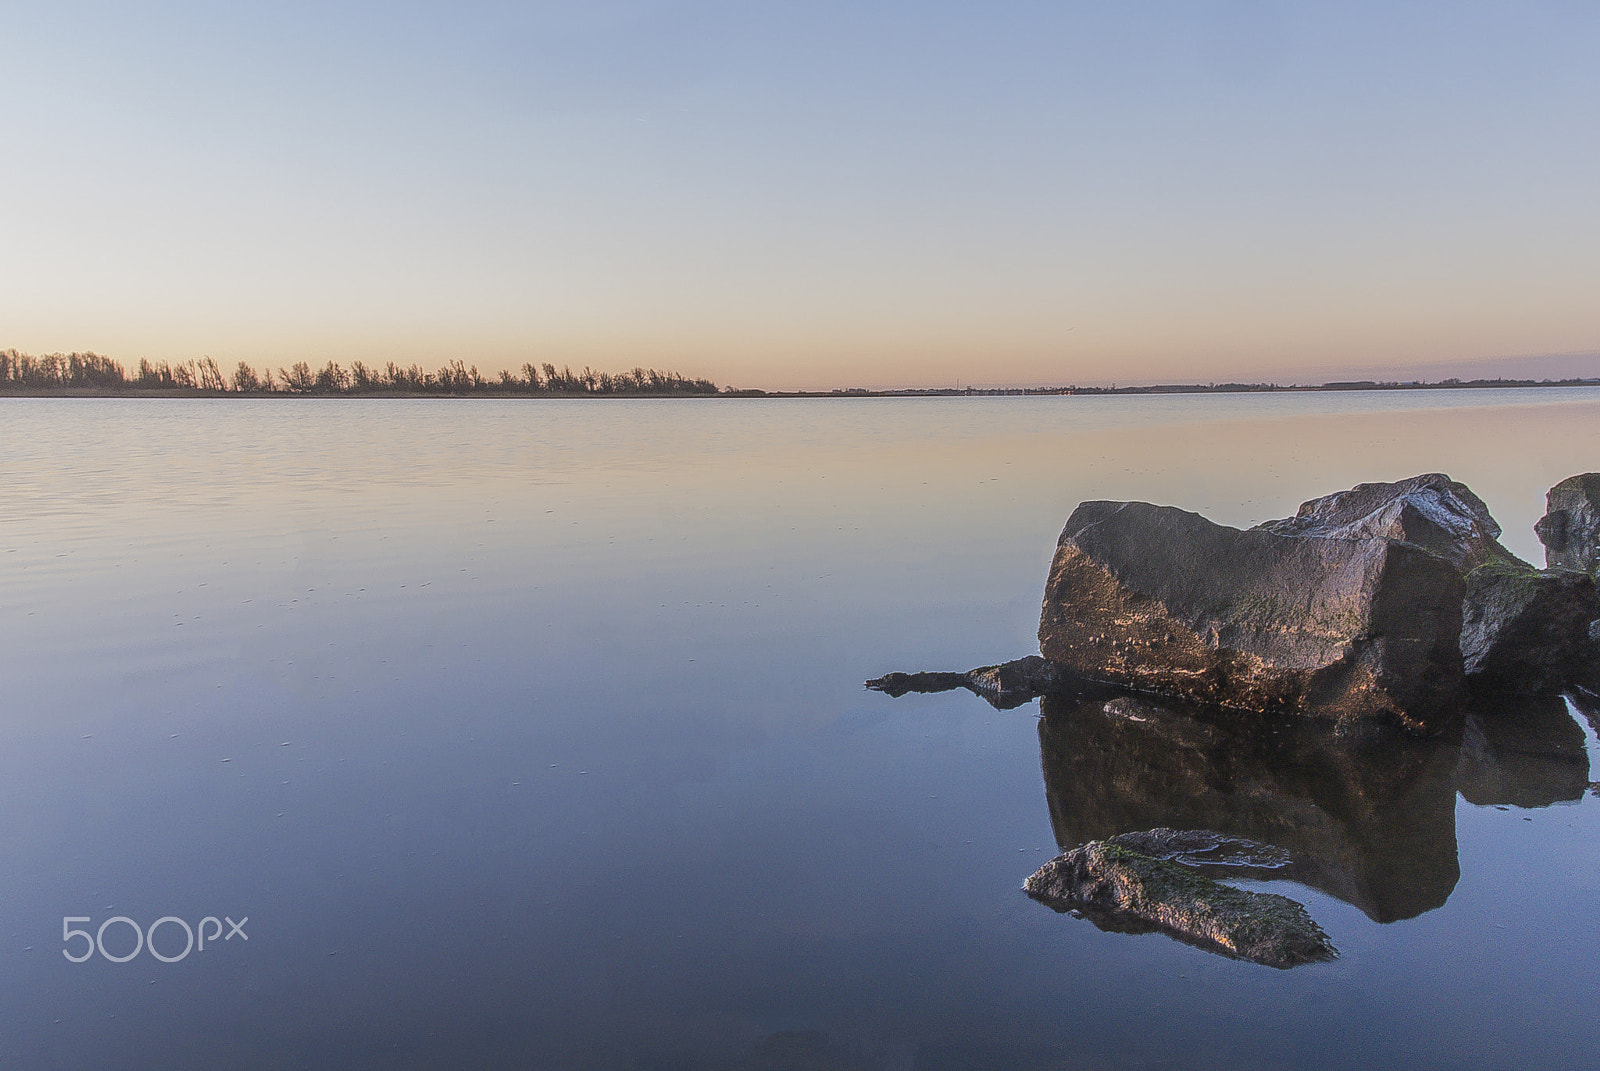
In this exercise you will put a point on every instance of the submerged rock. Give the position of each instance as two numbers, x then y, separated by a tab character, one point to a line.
1162	600
1005	686
1570	527
1362	812
898	684
1121	888
1211	853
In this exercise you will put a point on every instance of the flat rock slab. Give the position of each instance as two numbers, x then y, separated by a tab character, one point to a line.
1118	887
1162	600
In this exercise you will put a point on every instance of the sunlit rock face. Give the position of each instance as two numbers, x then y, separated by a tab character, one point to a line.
1366	816
1163	600
1570	527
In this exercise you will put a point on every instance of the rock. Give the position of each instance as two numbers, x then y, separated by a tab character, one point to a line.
898	684
1021	679
1431	511
1376	603
1521	629
1005	686
1120	888
1570	527
1526	630
1360	811
1162	600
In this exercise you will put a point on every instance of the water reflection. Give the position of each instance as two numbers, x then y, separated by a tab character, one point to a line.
1522	751
1365	816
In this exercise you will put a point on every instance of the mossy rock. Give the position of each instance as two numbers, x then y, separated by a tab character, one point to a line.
1527	630
1119	888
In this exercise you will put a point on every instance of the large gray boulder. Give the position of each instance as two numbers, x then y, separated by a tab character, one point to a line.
1570	527
1162	600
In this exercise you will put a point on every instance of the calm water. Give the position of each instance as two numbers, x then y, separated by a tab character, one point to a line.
531	734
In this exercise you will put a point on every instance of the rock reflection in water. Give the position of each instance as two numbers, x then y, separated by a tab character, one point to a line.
1365	816
1524	752
1370	821
1587	703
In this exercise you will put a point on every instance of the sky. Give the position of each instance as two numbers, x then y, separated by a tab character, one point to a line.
810	195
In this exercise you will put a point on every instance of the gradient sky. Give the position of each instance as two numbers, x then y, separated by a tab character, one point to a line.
811	194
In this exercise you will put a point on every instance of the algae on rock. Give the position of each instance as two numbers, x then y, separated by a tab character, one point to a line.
1120	888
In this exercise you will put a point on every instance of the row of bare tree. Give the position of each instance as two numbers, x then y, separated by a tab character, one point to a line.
55	371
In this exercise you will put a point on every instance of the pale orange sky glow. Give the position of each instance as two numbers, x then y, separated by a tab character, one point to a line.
772	198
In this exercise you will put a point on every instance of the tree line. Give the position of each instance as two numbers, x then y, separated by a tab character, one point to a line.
60	371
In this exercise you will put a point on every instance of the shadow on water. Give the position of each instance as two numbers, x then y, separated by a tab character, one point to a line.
1366	816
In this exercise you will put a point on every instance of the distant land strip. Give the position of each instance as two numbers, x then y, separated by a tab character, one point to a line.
92	375
1173	388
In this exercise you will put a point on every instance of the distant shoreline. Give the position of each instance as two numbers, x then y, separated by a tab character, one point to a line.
731	393
1171	388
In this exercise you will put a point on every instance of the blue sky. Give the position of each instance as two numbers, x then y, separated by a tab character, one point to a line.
810	195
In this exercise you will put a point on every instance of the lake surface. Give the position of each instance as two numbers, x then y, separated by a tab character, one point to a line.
531	734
